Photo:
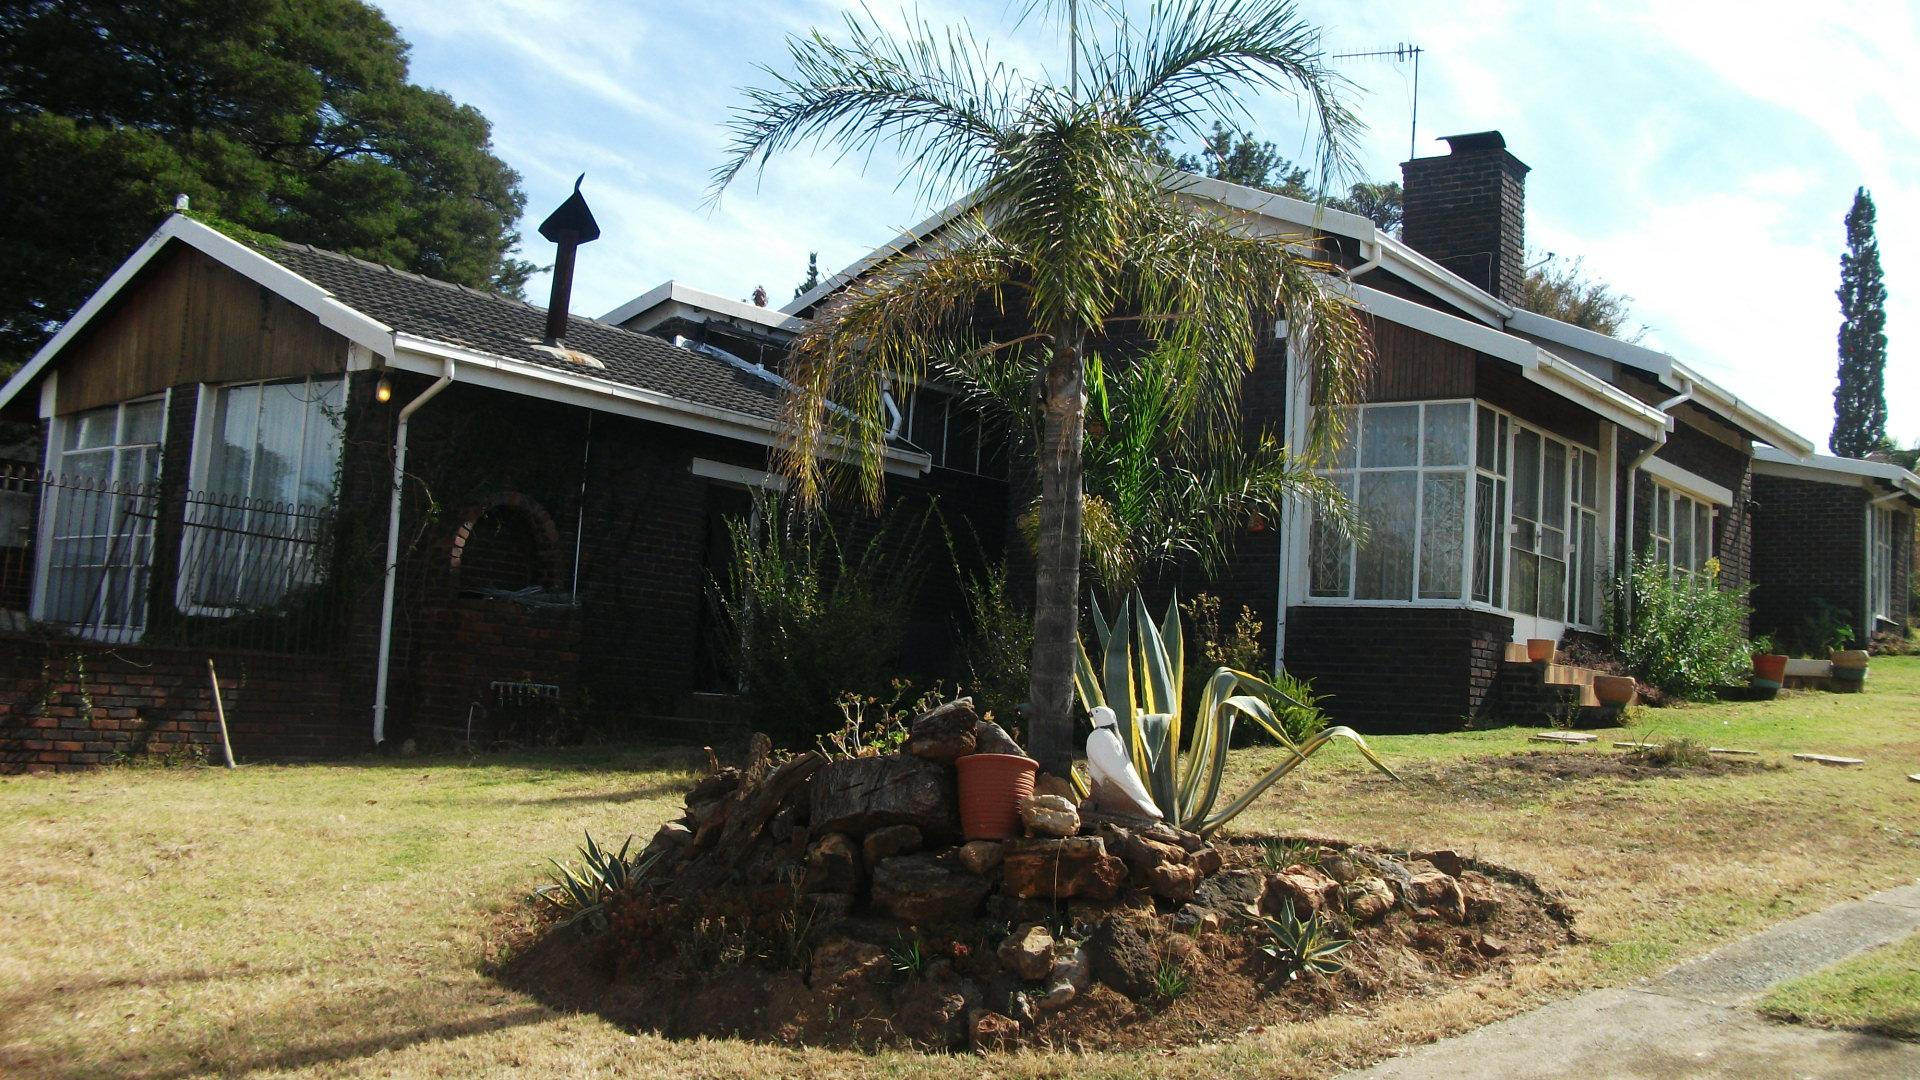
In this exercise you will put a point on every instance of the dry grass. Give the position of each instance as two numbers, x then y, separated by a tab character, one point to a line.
337	919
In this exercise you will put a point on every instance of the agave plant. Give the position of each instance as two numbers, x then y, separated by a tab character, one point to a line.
582	895
1142	669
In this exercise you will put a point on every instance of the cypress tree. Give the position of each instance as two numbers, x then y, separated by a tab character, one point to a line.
1860	401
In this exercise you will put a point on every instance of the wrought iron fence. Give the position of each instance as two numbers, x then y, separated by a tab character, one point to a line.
104	560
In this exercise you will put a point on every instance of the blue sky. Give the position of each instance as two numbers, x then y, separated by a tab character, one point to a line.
1698	155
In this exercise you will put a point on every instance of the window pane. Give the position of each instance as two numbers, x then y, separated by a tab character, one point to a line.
1523	581
1589	480
1586	547
1553	491
1343	455
320	455
1486	436
1443	519
92	429
1553	590
140	423
1486	540
276	464
1662	511
1384	567
1330	558
1683	535
1389	435
236	415
1526	475
1702	534
1444	441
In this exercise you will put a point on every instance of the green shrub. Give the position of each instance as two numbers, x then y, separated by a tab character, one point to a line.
581	896
998	643
809	620
1679	632
1824	631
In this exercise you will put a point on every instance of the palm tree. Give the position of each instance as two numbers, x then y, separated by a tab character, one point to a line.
1070	240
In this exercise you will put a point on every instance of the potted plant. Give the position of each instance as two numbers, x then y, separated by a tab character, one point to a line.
1849	668
1620	690
1769	667
1541	650
991	787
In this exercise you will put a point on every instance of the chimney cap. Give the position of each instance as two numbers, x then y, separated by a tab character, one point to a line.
1475	140
571	220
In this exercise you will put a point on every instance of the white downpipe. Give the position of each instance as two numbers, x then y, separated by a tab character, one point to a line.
393	552
1633	474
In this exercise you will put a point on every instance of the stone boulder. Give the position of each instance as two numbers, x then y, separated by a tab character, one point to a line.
1306	889
885	843
922	890
1367	899
1437	893
933	1014
1123	957
833	865
1174	882
1067	867
945	732
1071	975
1027	953
1232	894
1049	815
980	856
845	962
859	795
991	738
988	1031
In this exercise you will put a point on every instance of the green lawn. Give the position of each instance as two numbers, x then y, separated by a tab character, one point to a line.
1877	992
338	919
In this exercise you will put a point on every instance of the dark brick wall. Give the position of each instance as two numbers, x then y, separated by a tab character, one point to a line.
66	706
1810	545
1398	669
1467	211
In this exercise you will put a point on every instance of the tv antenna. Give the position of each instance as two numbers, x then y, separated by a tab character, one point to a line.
1401	54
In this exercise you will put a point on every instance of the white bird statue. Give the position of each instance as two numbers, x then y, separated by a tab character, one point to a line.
1116	786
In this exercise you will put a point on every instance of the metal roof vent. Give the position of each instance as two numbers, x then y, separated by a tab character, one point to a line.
569	226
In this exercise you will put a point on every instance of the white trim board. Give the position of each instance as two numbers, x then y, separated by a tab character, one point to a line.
759	479
1687	482
1828	469
673	292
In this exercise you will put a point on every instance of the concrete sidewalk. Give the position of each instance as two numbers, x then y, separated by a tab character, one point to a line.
1696	1020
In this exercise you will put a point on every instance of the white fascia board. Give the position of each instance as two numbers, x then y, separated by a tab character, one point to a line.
341	319
1639	357
738	474
1684	480
1416	268
1711	395
918	234
675	292
1562	377
1829	469
429	357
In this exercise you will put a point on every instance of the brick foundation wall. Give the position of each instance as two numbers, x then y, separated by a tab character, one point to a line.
1398	669
68	706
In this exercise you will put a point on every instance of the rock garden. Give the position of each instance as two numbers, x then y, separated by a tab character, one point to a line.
870	899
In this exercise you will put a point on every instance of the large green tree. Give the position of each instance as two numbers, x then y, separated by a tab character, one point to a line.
1860	400
1562	289
1073	242
289	117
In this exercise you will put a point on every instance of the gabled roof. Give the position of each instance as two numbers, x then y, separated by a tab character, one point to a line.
417	323
657	304
1826	468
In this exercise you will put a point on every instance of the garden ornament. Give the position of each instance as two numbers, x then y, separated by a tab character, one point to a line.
1116	786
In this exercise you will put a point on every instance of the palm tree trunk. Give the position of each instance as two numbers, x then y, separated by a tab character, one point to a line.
1056	600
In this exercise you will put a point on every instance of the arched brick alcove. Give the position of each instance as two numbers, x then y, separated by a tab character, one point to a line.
508	541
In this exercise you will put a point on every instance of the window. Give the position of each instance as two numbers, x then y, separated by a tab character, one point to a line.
100	514
1405	469
1583	591
270	451
1682	530
956	433
1880	563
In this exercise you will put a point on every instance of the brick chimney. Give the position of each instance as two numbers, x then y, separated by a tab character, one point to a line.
1466	210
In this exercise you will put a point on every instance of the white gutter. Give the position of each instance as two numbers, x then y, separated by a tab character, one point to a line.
393	552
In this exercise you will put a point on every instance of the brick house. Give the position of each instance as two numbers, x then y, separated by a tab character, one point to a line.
219	427
1505	463
1833	537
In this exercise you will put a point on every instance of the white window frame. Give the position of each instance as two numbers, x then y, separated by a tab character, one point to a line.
44	540
1671	498
1880	551
941	458
1503	525
200	466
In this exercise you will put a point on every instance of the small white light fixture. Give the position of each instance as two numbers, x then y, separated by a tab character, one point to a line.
383	391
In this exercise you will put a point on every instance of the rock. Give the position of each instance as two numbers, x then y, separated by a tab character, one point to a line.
1174	882
1194	919
1445	860
1233	893
991	738
1123	957
1207	861
833	865
1070	976
1337	866
1142	853
1192	841
980	856
1048	784
858	795
922	890
845	962
988	1031
1049	815
1439	894
1027	953
1491	946
670	837
1072	866
1306	889
1367	898
945	732
885	843
932	1014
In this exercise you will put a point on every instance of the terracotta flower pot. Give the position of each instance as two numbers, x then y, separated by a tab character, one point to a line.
991	787
1615	689
1540	650
1769	669
1850	658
